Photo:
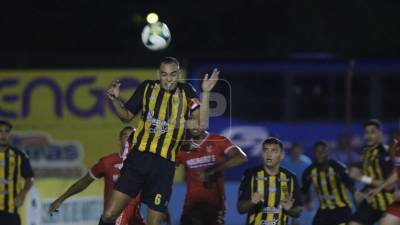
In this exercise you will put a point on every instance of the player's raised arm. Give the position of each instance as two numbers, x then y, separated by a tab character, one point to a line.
207	85
113	94
75	188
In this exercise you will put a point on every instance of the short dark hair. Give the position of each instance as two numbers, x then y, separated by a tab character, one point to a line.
273	140
169	60
6	123
373	122
125	128
320	143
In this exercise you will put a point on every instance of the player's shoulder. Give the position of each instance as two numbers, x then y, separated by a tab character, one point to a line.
186	87
336	164
18	151
384	150
216	137
288	173
253	170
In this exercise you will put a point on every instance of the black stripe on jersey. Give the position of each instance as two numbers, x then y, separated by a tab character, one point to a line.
146	95
278	183
16	175
341	190
6	177
157	106
324	200
176	126
329	187
267	194
161	140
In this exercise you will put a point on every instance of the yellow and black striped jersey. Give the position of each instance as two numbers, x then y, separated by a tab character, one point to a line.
274	189
331	183
161	128
14	165
378	164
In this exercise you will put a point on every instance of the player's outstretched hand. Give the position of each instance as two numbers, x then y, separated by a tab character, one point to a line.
54	207
287	202
210	81
113	91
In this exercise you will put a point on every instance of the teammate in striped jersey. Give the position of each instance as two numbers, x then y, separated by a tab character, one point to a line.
331	181
269	193
375	168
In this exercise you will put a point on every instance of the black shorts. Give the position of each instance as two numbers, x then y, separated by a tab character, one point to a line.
149	174
337	216
9	218
366	215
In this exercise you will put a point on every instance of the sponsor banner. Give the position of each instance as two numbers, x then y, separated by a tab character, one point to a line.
82	209
63	118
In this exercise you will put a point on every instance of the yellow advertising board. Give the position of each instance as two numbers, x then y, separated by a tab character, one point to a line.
65	114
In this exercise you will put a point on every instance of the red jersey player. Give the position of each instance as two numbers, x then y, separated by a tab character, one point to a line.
108	167
205	157
392	215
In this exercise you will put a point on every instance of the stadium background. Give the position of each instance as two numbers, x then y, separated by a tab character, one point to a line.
301	71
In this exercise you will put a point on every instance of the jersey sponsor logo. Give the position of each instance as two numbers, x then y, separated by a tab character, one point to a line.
328	197
271	210
267	222
160	126
261	178
203	161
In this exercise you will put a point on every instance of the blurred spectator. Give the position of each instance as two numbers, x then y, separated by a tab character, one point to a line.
296	161
344	151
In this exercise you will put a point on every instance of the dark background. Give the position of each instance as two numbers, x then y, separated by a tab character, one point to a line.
105	33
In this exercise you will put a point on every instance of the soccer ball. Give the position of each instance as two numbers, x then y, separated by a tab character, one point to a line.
156	36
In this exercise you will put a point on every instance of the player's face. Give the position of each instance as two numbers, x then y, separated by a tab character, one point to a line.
272	155
4	135
169	74
320	154
194	128
372	135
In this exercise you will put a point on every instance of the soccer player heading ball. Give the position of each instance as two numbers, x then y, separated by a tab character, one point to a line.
163	107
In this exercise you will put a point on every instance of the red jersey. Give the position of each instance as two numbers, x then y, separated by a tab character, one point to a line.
109	167
198	157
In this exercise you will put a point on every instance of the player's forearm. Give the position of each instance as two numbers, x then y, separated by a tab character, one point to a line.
204	109
245	206
74	189
121	111
231	162
389	182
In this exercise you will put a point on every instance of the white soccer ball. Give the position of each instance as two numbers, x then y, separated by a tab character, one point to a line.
156	36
